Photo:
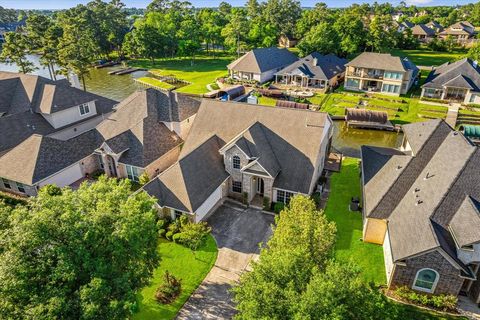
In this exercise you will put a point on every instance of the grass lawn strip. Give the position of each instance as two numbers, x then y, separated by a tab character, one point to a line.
369	257
182	263
155	83
425	57
205	70
349	246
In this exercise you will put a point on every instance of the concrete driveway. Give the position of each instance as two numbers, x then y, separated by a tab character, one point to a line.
238	232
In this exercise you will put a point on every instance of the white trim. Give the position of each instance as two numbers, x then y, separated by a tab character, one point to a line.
255	162
80	109
435	282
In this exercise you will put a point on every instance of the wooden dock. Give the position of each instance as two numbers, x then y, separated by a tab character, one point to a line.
124	71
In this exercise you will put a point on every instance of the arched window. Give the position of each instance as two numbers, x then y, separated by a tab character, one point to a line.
236	162
426	280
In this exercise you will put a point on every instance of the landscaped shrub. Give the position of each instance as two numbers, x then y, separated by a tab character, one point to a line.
245	198
192	235
95	175
266	203
12	200
52	190
143	179
317	197
445	302
434	100
169	289
162	225
176	226
278	207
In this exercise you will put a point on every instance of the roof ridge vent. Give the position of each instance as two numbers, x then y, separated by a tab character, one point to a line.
419	202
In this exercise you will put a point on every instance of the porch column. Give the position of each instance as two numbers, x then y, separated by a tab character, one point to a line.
444	94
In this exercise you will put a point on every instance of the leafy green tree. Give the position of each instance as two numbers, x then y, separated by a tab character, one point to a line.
236	30
79	255
15	50
322	38
381	34
38	28
310	18
474	52
282	15
350	29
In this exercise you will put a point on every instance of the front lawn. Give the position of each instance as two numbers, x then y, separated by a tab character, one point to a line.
182	263
349	245
204	70
425	57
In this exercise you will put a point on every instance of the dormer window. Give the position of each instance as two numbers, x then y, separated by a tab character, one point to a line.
236	162
84	109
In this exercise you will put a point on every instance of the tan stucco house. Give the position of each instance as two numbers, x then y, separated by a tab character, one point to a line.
246	152
380	72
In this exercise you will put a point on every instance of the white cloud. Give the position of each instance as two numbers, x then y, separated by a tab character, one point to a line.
418	2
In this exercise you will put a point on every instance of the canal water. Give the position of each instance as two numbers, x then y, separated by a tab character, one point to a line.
345	140
99	82
349	140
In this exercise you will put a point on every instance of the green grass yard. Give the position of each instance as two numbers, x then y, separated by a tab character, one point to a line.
204	71
182	263
155	83
349	246
425	57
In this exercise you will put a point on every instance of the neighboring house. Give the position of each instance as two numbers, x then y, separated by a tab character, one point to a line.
380	72
421	202
462	32
286	41
247	152
437	27
32	104
396	16
260	64
423	33
143	133
457	81
314	71
16	26
402	26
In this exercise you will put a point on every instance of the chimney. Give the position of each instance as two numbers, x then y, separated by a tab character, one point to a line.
475	63
315	62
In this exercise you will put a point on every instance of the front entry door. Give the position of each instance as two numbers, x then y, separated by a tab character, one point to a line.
111	166
260	186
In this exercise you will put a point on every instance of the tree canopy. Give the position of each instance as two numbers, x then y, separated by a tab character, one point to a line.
77	254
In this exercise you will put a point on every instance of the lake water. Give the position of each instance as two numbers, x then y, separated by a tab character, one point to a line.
349	140
99	82
346	140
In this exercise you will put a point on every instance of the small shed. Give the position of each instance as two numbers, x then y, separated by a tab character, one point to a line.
369	119
470	131
291	104
231	93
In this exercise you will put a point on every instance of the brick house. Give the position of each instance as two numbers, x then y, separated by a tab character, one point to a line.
420	202
246	152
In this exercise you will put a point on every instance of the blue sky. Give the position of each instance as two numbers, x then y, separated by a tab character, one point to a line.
60	4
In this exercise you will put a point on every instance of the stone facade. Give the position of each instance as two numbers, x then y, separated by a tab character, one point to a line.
449	282
90	164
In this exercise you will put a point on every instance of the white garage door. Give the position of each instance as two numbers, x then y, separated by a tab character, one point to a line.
65	177
207	206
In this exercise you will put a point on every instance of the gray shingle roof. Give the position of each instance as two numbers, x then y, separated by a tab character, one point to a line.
316	66
20	96
188	183
421	29
263	59
463	27
258	128
427	196
462	74
382	61
39	157
137	125
465	223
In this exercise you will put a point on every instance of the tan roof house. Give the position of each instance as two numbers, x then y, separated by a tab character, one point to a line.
260	64
247	152
380	72
462	32
423	33
421	203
